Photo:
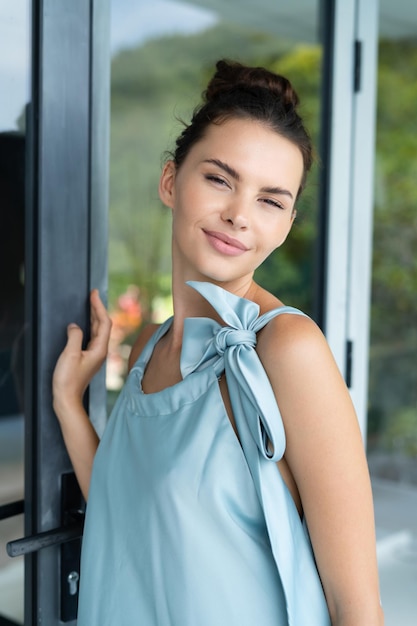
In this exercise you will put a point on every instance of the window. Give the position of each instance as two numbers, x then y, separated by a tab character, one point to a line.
392	400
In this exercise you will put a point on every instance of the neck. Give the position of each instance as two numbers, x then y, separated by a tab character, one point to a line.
187	302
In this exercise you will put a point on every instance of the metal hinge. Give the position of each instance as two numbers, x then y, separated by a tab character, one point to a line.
357	66
349	362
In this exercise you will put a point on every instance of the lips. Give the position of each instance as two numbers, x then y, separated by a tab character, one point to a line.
225	244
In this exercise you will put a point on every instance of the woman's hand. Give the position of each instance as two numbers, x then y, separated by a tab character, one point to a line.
76	367
73	373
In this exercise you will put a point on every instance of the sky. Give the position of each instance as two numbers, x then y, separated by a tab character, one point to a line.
14	61
136	21
132	22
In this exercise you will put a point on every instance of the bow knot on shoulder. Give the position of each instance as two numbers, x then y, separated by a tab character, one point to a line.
226	337
231	349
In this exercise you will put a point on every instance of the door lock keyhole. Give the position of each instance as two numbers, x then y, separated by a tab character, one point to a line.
73	578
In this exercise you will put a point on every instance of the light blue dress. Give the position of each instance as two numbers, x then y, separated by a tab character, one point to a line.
186	524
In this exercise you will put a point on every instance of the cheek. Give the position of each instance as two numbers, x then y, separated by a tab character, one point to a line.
274	235
277	228
284	236
186	202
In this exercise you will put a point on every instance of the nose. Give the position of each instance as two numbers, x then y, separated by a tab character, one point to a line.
236	215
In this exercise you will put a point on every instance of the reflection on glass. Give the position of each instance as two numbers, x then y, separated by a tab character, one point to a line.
14	87
392	437
392	416
163	53
14	62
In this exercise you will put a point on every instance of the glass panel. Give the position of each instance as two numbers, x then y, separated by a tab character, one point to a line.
15	82
162	55
392	417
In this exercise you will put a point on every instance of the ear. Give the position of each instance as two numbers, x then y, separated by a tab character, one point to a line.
167	184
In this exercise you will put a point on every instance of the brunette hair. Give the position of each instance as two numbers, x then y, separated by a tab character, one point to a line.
239	91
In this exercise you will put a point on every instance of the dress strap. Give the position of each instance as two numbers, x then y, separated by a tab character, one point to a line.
151	343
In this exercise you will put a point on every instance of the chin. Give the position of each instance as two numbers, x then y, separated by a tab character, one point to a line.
222	277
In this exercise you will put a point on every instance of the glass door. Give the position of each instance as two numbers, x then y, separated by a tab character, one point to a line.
392	401
159	66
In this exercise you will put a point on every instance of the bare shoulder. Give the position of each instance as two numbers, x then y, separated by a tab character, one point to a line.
142	339
310	389
290	337
297	358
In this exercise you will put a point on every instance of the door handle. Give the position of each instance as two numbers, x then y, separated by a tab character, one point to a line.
68	538
33	543
11	509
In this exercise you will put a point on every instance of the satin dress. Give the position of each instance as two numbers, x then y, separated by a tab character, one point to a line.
188	524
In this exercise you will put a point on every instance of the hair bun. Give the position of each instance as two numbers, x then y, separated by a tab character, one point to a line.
236	91
230	76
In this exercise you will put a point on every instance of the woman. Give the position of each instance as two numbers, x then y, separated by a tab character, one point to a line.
235	431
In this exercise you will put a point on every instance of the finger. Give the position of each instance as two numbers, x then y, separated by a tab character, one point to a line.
97	306
100	320
74	338
98	310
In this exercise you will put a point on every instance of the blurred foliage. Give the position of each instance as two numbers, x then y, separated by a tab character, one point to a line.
395	221
400	433
393	362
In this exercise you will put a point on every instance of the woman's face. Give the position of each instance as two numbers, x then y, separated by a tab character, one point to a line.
232	200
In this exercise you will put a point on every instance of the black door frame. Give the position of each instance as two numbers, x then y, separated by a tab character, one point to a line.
68	129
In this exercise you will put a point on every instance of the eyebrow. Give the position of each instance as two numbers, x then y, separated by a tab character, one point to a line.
226	168
280	191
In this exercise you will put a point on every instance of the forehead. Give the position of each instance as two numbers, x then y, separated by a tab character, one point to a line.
250	147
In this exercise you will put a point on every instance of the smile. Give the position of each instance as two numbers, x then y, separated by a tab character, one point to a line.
225	244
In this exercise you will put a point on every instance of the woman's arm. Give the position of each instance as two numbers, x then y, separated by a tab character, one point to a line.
326	457
73	372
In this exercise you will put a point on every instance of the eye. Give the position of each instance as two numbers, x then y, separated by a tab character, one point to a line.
216	179
273	203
